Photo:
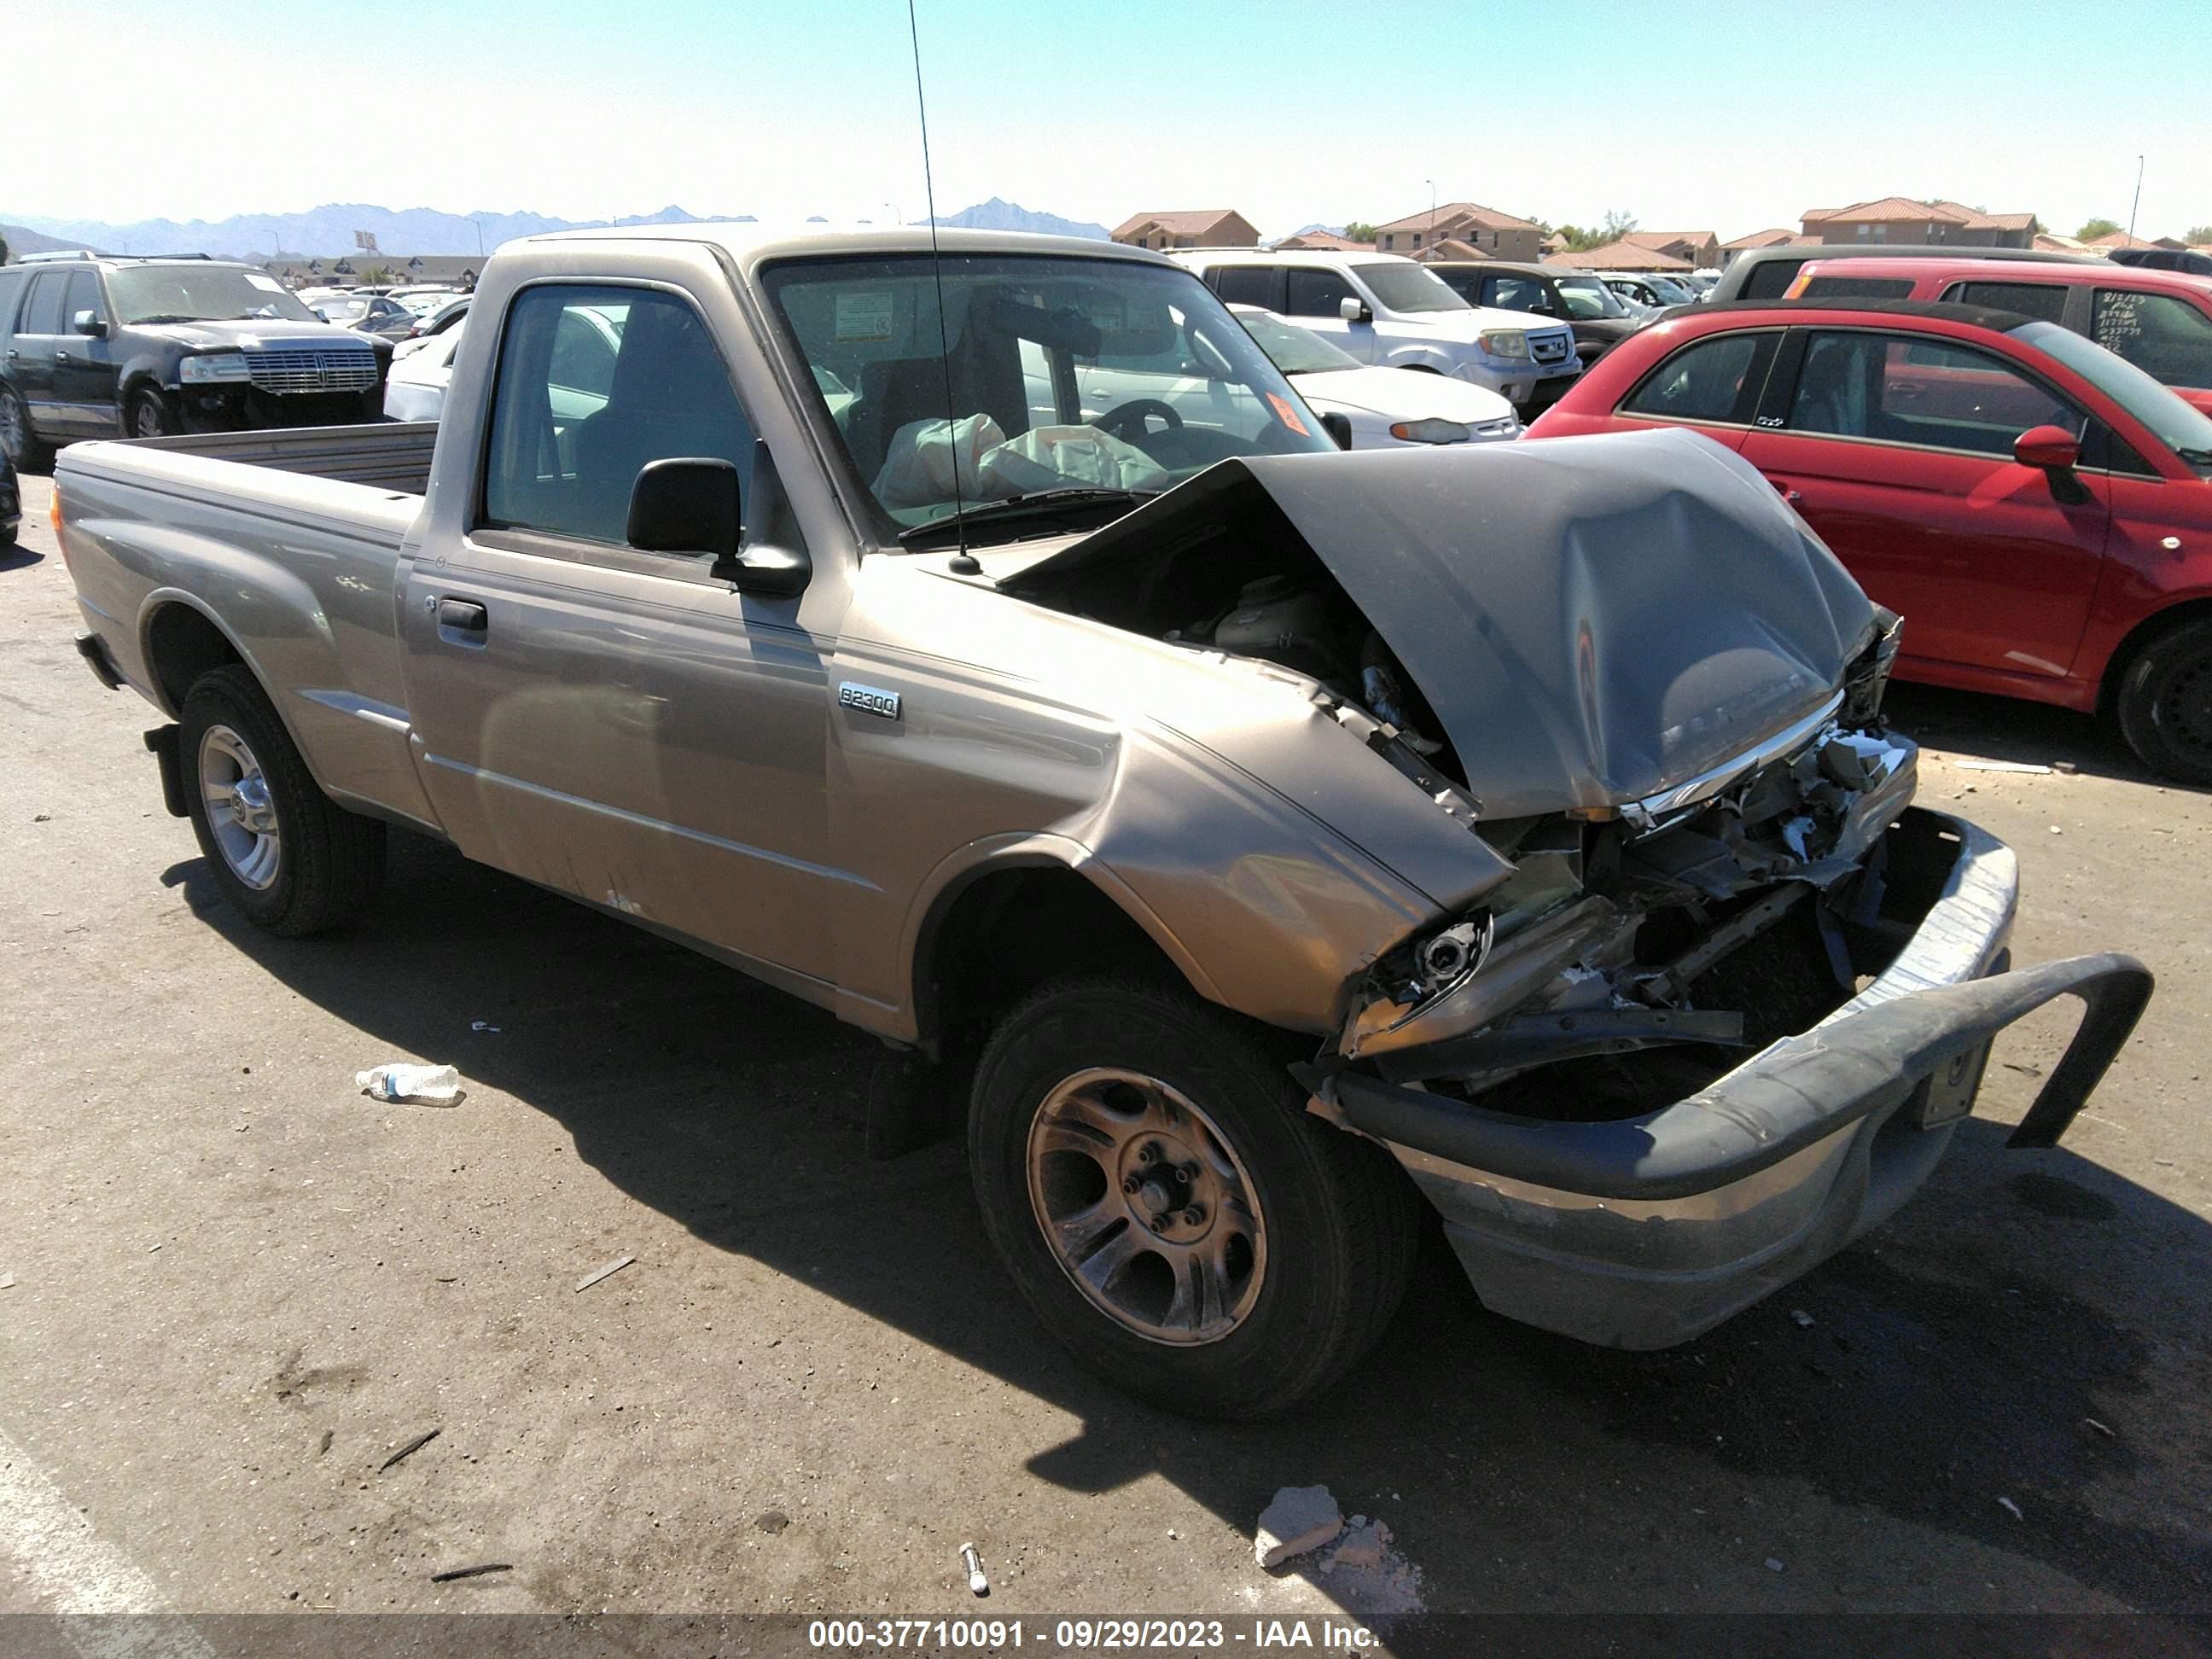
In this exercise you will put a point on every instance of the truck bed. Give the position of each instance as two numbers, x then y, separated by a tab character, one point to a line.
390	455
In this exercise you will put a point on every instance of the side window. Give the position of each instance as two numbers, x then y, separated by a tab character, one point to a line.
1514	294
83	294
1906	390
1858	288
593	383
42	314
1770	279
2043	300
1246	285
2168	339
1313	293
1706	381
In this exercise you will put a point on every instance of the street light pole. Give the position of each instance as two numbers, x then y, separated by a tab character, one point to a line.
897	218
477	225
2138	201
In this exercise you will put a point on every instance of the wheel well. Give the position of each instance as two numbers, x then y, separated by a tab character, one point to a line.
181	645
1009	930
2152	627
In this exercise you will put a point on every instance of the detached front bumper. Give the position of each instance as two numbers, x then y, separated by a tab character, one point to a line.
1644	1232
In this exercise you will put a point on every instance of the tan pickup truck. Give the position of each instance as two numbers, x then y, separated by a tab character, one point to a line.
1253	839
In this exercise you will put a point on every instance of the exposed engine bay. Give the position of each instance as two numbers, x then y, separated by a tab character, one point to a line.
1696	809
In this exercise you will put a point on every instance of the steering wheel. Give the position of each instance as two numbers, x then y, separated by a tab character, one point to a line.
1133	415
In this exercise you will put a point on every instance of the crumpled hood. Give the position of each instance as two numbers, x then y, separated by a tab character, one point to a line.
1593	619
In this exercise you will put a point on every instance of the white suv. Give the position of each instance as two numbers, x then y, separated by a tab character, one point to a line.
1387	310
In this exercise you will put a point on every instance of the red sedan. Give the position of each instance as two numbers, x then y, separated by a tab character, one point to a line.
2038	510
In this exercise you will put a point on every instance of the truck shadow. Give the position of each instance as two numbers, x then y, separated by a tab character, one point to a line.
2030	1329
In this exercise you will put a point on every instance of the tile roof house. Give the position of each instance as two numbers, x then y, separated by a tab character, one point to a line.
1757	239
1699	247
1496	235
1452	251
1900	220
2113	239
1623	255
1323	242
2047	242
1188	227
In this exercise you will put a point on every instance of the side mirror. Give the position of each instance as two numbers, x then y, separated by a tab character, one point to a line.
1338	426
2054	452
1353	309
689	505
89	322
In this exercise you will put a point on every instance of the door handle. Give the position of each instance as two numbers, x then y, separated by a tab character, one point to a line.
462	616
63	357
1782	488
13	353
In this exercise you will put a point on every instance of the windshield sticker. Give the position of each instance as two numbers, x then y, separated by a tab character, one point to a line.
1288	415
864	316
267	284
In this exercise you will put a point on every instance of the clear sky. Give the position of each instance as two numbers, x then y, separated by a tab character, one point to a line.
1691	115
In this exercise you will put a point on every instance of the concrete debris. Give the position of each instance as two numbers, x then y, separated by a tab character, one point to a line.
1801	1317
771	1522
484	1025
1301	1518
1362	1545
476	1572
2025	769
2013	1508
2068	766
7	1281
972	1564
1772	1564
410	1449
599	1273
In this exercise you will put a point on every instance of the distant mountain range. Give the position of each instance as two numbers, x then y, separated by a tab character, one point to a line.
329	230
996	214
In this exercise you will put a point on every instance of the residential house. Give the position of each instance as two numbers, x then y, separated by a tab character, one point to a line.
1758	239
1495	235
1323	242
452	269
1451	250
2113	239
1700	247
1192	227
1623	255
1899	219
2051	242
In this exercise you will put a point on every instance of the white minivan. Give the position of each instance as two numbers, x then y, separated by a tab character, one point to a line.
1388	311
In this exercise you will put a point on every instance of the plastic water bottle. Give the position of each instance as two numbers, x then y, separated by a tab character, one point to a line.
426	1085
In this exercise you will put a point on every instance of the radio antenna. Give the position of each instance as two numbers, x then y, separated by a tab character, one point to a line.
962	561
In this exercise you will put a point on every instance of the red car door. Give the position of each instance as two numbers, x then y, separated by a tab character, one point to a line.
1897	448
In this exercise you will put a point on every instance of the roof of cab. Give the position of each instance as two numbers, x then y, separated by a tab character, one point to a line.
1941	311
752	244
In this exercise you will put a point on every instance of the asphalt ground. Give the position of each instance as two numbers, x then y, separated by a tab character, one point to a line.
239	1286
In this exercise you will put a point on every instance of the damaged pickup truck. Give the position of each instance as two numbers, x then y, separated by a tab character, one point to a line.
1265	838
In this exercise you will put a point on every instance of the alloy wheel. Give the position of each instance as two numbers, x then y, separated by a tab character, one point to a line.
239	811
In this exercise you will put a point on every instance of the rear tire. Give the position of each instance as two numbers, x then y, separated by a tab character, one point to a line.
1150	1176
22	445
289	859
2164	704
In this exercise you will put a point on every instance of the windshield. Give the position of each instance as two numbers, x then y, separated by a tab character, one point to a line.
199	294
1586	297
1064	373
343	307
1293	349
1409	287
1667	288
2183	427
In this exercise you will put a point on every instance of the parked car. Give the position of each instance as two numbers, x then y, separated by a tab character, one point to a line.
1380	408
1281	836
422	369
99	347
2037	508
446	316
2161	321
1388	311
1597	318
1653	290
1766	273
374	314
2187	261
11	501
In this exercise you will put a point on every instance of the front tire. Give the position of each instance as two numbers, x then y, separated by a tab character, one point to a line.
288	859
2164	703
148	414
1150	1176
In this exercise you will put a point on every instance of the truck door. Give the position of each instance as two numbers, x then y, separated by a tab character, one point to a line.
614	723
84	364
31	352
